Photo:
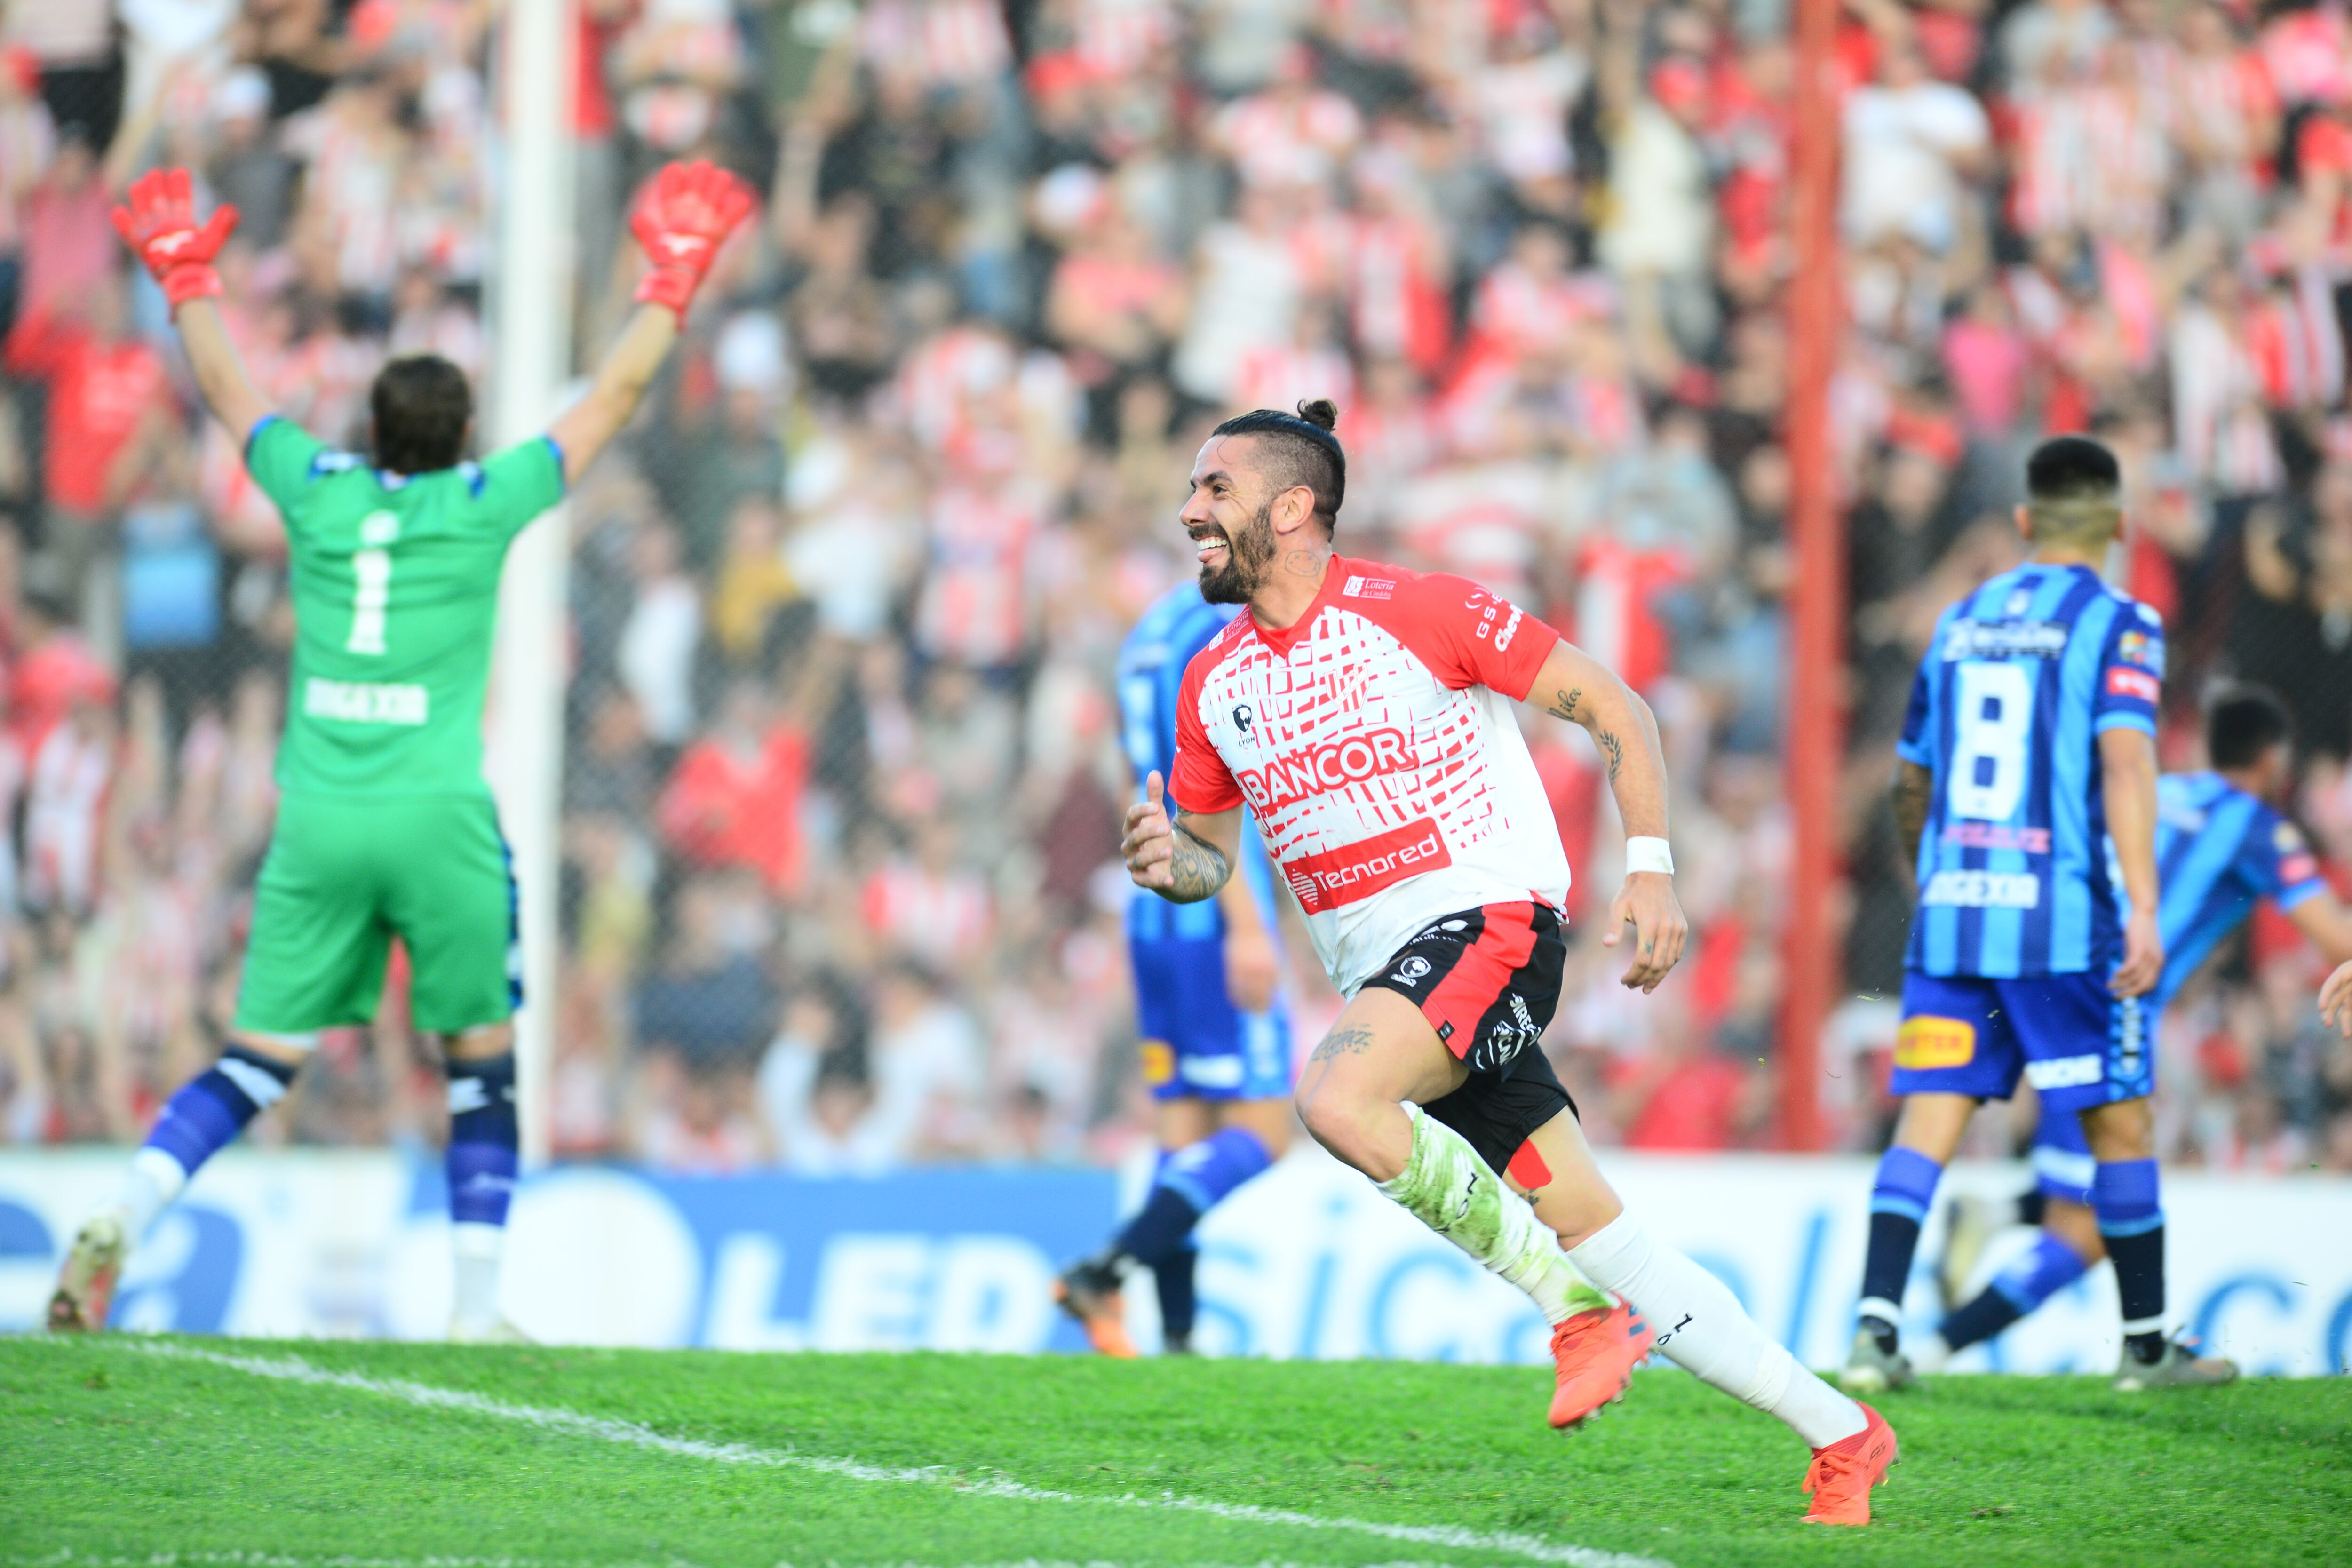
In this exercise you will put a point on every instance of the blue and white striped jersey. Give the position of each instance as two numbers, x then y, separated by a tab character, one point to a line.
1151	663
2218	849
2021	680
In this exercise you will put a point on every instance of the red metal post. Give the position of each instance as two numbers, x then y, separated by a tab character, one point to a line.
1812	962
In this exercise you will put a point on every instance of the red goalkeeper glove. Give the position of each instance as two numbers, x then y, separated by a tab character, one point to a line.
681	219
160	224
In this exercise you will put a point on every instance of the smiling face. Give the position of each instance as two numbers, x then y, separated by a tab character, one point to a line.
1230	519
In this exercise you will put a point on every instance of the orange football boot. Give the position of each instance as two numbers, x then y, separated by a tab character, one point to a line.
1595	1352
1841	1475
85	1292
1089	1292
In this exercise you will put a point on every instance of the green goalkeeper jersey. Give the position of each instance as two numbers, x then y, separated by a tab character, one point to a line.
395	588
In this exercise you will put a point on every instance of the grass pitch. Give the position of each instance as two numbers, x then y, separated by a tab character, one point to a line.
374	1455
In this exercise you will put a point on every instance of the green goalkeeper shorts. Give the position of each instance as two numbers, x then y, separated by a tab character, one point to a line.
343	877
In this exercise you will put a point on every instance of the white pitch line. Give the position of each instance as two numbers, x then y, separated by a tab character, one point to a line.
66	1558
292	1368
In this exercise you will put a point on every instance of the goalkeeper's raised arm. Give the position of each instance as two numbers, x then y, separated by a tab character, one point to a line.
159	223
684	215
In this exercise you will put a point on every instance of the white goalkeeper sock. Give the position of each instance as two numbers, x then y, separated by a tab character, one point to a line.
1449	1189
154	1179
1700	1326
476	1250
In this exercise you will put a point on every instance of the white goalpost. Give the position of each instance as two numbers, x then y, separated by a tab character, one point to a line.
529	308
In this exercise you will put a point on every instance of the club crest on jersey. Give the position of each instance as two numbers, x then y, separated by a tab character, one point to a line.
1335	765
1242	716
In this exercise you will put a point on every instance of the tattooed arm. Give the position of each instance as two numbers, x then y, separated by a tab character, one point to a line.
1573	686
1185	861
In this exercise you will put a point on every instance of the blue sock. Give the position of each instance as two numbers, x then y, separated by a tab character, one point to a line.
1173	1277
2046	1269
1192	1181
214	1106
2125	1195
1899	1197
485	1145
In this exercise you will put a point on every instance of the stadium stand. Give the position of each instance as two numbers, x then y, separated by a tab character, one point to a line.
841	795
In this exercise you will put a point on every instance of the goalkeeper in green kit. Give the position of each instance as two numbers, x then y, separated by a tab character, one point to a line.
386	826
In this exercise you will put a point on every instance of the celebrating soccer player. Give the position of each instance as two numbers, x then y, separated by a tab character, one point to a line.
1216	1040
2028	757
1362	712
2220	844
384	825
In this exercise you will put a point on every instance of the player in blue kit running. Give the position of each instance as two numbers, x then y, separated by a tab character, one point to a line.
2219	846
1216	1039
2027	780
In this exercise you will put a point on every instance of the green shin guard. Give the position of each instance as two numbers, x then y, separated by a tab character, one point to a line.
1449	1189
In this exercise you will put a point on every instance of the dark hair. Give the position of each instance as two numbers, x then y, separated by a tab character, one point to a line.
421	406
1301	450
2242	723
2073	467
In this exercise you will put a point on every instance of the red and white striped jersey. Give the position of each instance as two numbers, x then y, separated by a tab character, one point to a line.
1374	742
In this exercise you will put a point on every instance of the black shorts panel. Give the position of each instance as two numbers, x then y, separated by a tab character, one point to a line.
1487	979
1496	1114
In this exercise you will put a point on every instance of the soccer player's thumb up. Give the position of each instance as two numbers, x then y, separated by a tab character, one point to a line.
1146	846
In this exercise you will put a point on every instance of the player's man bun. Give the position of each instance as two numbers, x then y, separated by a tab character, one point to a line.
1300	449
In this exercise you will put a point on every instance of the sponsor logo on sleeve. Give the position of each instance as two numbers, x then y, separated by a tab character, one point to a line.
1931	1042
1373	588
2134	683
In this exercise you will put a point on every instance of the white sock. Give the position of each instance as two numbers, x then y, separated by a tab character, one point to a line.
1449	1189
1701	1329
153	1180
475	1249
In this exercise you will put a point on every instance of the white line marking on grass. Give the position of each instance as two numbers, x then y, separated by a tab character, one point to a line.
292	1368
66	1558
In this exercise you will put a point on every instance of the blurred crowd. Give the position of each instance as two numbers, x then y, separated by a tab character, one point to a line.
839	880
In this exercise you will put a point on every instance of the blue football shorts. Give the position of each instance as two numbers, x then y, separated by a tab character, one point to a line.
2076	1044
1196	1043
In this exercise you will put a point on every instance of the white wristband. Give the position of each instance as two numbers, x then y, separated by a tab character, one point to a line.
1649	855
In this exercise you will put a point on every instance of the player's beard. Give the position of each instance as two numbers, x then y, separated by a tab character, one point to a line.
1248	553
